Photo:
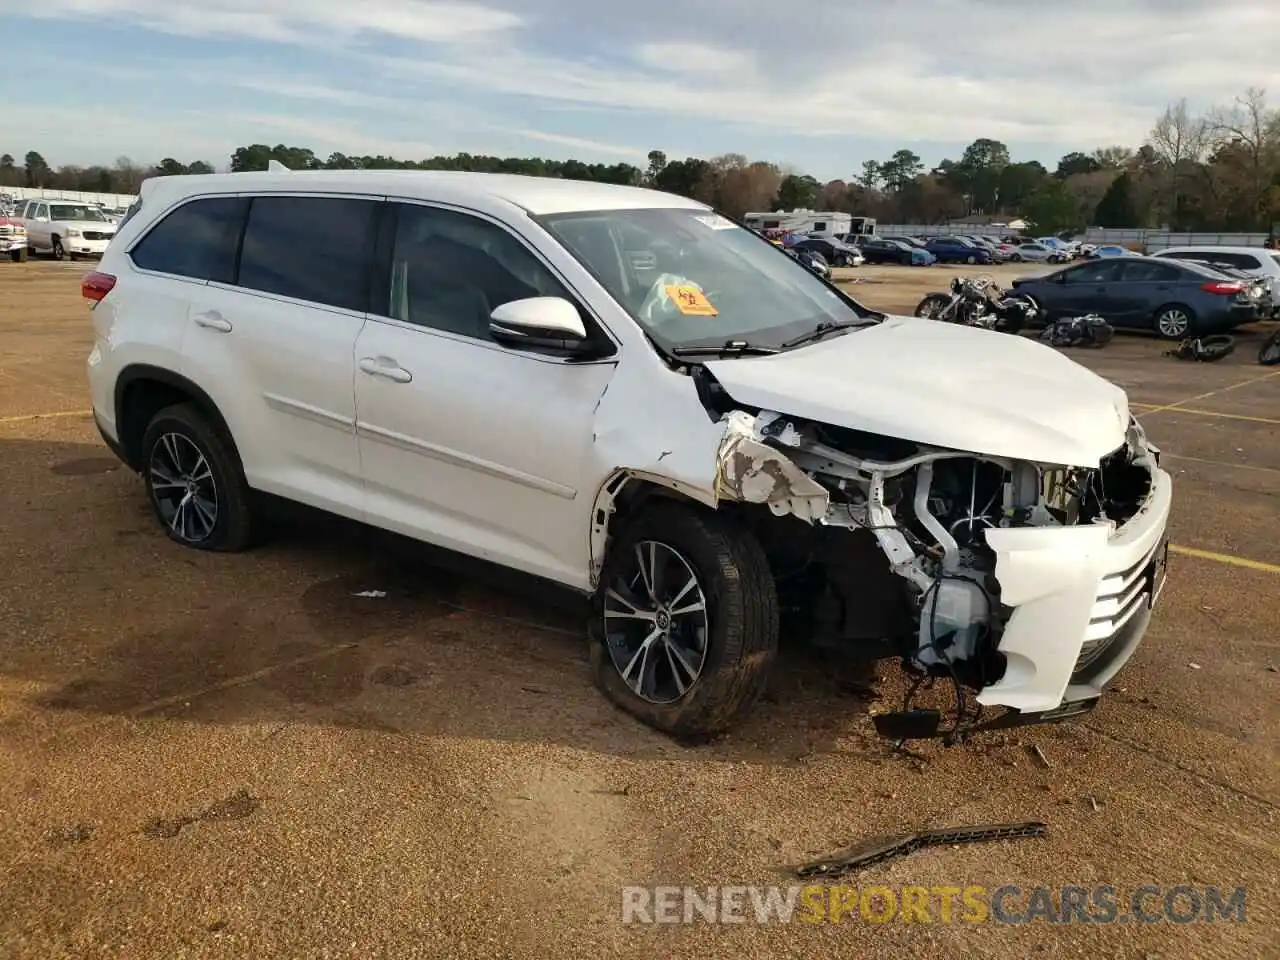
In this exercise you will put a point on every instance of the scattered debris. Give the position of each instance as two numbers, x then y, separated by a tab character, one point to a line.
371	594
537	690
624	792
1094	803
1039	755
1194	666
879	849
76	833
393	675
238	806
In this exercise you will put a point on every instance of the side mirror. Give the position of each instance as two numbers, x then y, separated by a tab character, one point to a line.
539	323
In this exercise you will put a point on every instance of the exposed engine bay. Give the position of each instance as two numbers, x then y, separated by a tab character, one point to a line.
839	497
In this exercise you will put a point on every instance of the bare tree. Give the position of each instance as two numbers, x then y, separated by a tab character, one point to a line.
1179	141
1246	141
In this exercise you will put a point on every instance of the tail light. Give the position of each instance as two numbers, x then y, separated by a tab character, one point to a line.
1225	288
96	285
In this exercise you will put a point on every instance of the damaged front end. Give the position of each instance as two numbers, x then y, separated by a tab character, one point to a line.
1031	583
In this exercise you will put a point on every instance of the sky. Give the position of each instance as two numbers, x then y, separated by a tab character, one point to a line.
817	88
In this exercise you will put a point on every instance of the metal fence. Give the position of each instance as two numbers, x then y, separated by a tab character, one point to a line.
113	200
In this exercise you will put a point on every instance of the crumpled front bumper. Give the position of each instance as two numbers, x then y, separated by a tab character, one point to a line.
1081	599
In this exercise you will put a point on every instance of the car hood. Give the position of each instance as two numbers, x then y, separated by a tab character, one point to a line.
944	385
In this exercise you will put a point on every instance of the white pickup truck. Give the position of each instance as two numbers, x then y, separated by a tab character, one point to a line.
13	239
65	228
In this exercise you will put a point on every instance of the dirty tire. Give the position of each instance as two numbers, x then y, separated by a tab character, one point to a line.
19	255
1269	355
235	527
742	637
57	251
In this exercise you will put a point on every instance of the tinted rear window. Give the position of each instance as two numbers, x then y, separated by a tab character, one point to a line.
197	240
318	249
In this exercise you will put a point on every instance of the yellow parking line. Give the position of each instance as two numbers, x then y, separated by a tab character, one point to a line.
1224	558
1213	413
1218	463
24	418
1211	393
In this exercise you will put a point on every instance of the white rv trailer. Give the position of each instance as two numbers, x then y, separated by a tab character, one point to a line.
825	223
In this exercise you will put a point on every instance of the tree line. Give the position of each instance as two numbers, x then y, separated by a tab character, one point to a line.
1219	171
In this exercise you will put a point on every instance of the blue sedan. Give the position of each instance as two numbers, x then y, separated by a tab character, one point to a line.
1144	293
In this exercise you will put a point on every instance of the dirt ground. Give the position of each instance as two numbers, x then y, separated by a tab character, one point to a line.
236	756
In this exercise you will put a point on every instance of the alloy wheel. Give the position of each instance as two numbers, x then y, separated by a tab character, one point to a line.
183	489
655	623
1173	323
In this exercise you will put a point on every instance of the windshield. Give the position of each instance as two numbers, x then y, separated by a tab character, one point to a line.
61	211
692	277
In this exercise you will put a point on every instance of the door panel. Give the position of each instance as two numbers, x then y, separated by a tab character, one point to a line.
484	450
281	373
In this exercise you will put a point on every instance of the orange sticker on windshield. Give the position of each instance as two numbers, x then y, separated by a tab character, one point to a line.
690	301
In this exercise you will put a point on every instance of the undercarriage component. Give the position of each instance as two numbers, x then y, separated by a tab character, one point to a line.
927	724
876	850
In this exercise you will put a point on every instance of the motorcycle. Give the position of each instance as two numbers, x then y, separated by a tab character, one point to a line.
979	302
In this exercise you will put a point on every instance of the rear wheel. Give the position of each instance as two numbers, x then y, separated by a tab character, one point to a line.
685	623
1175	321
195	482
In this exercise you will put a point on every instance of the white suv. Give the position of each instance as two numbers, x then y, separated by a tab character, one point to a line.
1257	262
625	393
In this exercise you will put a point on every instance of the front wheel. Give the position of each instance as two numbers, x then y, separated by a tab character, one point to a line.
195	482
932	305
685	624
58	252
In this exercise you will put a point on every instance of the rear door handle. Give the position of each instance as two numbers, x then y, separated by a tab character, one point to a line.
385	367
212	320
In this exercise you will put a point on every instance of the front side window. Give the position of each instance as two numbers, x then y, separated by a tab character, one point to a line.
198	240
450	270
710	280
318	249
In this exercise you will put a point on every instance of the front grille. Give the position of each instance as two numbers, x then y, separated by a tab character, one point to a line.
97	235
1121	596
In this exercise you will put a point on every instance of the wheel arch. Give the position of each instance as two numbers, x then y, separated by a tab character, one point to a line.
623	494
142	390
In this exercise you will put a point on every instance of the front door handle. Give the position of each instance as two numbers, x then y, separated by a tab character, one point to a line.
385	367
212	320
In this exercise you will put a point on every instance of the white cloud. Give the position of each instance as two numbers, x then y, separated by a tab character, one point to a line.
291	21
579	143
1071	75
930	70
